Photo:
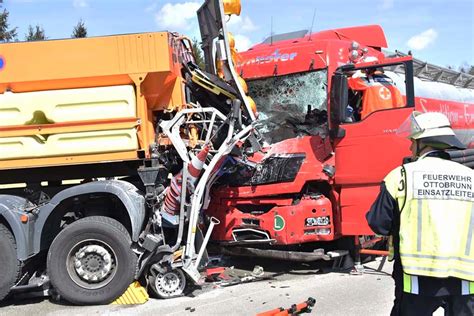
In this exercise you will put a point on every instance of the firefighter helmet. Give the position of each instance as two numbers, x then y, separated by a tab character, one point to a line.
432	128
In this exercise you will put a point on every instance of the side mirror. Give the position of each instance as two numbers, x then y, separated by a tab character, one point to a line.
339	99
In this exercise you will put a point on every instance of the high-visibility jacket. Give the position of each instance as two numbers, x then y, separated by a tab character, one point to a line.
436	201
379	92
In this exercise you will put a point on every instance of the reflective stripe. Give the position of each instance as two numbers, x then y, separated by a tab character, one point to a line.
414	285
407	255
406	283
420	232
410	284
469	234
438	270
465	287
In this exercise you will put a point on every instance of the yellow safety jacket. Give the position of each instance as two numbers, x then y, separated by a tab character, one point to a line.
436	220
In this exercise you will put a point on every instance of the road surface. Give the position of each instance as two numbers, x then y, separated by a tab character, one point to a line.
336	293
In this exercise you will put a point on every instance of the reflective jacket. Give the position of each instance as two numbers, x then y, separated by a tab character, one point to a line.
379	92
437	222
433	232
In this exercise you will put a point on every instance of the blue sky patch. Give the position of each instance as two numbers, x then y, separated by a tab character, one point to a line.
438	31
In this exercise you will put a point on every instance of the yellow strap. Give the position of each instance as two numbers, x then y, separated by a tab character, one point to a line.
406	283
410	284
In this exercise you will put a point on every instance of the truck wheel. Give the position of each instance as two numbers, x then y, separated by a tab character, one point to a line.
168	285
8	261
91	261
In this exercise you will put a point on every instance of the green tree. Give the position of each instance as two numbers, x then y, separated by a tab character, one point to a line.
35	33
198	54
6	34
80	30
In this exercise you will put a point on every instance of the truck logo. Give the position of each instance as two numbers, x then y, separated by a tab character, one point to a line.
279	223
275	57
2	62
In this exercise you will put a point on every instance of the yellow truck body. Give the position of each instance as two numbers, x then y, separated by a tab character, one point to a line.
89	100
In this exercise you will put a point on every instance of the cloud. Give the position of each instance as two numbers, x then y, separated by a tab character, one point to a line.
80	4
177	17
241	24
181	17
385	5
242	42
422	40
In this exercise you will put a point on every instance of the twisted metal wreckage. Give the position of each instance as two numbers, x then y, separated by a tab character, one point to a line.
121	123
219	127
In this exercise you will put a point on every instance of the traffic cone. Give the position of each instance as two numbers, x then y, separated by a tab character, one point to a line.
172	201
196	165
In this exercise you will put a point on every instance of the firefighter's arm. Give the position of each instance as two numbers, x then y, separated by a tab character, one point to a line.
384	210
357	83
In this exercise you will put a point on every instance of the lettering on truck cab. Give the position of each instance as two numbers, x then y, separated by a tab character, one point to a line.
274	57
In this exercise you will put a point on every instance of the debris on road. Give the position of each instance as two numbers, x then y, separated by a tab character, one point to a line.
224	277
295	309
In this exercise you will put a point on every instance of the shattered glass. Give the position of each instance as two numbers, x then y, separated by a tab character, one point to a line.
291	105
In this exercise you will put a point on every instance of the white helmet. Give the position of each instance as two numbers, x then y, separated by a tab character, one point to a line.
433	128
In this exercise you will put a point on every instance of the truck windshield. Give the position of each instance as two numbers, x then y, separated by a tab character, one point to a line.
291	105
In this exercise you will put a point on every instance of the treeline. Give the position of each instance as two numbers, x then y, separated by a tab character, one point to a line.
34	33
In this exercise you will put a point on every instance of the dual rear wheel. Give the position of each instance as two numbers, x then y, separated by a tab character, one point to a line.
91	261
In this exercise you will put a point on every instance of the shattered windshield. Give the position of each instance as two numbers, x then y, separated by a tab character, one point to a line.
292	105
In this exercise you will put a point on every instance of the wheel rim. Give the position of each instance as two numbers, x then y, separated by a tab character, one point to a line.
91	264
170	284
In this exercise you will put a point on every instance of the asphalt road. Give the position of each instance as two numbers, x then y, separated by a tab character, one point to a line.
285	284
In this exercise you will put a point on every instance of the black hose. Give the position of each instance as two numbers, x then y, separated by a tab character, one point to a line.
464	160
454	154
469	164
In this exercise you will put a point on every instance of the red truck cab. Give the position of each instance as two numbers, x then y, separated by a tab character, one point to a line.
320	172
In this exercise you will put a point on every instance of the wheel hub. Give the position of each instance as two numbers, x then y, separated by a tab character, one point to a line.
93	263
170	283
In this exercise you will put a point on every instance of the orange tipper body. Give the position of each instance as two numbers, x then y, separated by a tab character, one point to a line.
85	100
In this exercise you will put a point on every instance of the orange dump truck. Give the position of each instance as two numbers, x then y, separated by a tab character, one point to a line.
90	130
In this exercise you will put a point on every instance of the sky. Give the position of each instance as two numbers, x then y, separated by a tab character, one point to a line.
440	32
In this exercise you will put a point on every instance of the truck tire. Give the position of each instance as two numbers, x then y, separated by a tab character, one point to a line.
8	261
91	261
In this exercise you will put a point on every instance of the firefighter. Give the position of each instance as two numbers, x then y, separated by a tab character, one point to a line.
378	90
427	207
